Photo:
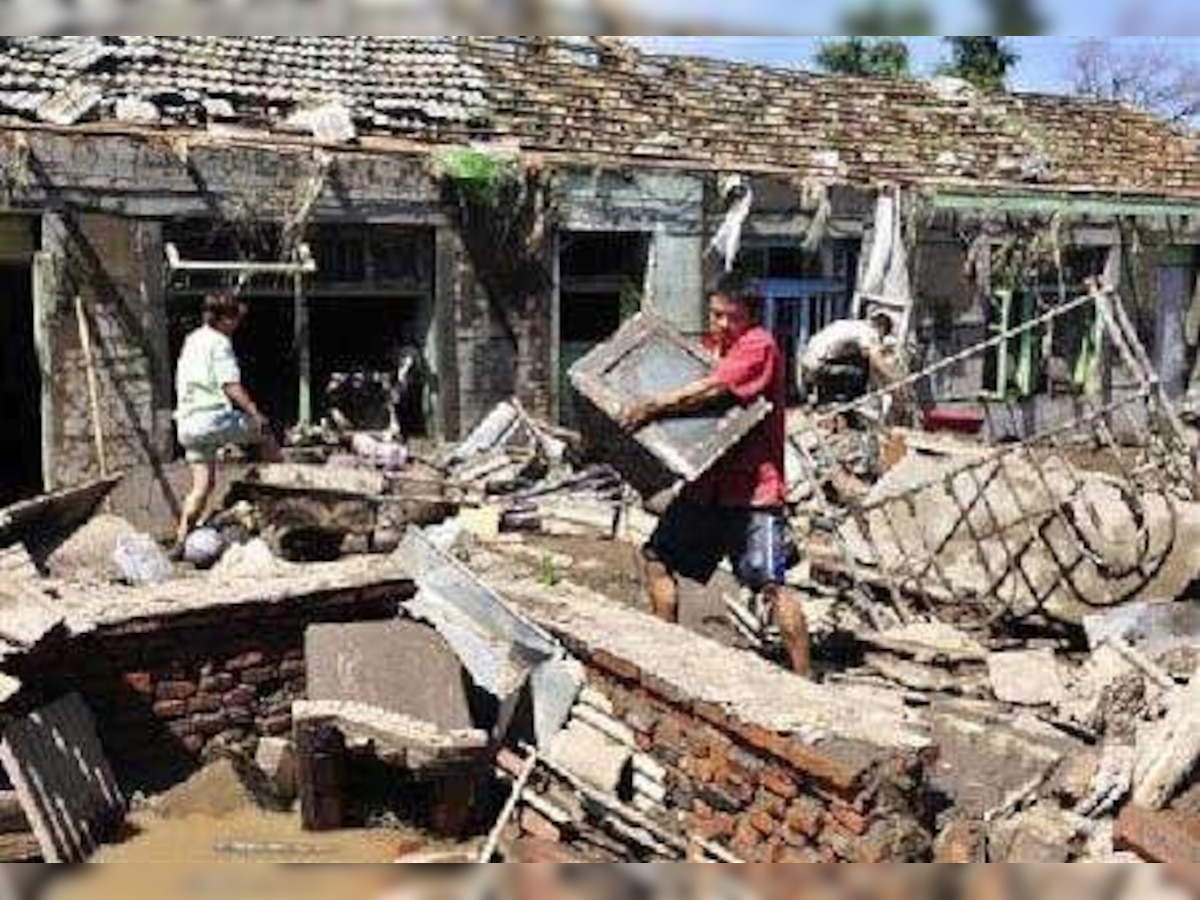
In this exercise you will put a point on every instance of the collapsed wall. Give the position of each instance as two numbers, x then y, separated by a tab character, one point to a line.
769	766
176	671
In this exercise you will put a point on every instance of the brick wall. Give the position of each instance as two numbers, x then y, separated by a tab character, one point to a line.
166	692
111	263
770	798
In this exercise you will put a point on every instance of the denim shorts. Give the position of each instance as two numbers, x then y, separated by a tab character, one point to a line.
692	539
201	435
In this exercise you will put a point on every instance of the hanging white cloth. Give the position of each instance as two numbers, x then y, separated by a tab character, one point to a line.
727	242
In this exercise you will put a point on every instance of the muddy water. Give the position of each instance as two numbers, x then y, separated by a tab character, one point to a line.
250	835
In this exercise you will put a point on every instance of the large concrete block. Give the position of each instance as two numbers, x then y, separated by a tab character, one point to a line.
400	666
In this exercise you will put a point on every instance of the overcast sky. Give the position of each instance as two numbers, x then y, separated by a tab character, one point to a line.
1044	65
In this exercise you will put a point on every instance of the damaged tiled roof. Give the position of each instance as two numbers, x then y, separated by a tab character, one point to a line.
385	83
606	97
601	96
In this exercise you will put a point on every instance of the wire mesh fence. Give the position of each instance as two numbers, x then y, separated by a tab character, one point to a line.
1087	512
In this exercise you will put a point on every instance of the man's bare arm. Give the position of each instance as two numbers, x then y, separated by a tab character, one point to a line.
695	396
241	398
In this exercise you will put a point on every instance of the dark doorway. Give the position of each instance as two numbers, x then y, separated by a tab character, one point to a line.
601	280
20	389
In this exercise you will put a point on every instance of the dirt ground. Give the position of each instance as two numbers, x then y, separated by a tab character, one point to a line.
613	569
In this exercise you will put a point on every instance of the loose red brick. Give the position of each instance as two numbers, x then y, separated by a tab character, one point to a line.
763	822
779	783
710	712
260	675
239	715
210	723
247	660
139	682
170	709
175	690
276	725
664	690
774	806
714	826
1166	836
621	668
193	743
242	695
204	703
181	728
806	817
794	838
962	841
217	684
799	855
747	841
854	822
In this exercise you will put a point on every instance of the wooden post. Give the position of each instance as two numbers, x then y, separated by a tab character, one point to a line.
320	758
85	342
303	350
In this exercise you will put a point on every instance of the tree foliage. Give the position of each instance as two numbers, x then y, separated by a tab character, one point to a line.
985	61
872	57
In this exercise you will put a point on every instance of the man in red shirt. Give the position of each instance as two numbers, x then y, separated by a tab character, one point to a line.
736	509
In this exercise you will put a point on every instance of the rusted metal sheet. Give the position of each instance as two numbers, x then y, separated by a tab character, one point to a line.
648	357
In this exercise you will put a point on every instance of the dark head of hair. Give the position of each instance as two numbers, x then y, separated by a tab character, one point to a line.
221	307
884	322
741	291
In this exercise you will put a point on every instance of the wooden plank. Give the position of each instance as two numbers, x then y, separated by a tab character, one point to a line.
54	760
21	846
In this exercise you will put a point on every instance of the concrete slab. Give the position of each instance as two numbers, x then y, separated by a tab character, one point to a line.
66	787
1027	678
403	667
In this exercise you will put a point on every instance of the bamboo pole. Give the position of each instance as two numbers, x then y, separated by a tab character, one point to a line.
85	342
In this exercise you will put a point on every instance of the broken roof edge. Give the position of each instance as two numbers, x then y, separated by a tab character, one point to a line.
383	145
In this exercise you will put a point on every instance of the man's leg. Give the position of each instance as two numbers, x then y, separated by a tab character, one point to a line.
686	542
761	563
788	616
663	590
203	477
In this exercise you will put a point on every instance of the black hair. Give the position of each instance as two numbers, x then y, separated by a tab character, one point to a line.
220	306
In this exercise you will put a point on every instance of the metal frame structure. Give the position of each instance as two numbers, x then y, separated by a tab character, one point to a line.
1081	515
303	264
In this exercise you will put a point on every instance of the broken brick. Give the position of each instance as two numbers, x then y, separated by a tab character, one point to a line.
1165	836
246	660
139	682
806	816
962	841
175	690
620	668
779	783
170	709
852	821
763	822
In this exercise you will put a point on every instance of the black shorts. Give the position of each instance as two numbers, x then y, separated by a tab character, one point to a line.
692	539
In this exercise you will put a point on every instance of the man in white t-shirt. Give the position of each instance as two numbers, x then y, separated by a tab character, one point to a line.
844	358
213	409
